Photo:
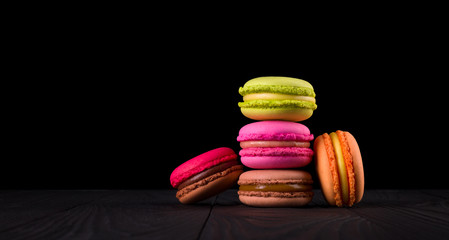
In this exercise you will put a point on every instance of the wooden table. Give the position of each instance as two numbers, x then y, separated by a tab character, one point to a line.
156	214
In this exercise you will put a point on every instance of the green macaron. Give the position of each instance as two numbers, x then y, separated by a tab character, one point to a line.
277	98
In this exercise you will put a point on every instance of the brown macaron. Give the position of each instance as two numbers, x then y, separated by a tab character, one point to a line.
275	188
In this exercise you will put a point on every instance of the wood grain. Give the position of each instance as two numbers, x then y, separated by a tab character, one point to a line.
157	214
383	214
103	215
21	207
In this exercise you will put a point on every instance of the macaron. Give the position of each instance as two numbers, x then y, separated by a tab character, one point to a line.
275	188
339	168
277	98
275	144
206	175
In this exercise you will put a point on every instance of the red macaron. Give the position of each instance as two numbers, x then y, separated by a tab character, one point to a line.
206	175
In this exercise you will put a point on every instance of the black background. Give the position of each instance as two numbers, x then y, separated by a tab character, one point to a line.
120	104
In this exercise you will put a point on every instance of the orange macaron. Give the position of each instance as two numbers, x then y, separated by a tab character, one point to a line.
339	167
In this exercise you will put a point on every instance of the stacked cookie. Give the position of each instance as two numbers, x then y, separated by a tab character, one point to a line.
277	145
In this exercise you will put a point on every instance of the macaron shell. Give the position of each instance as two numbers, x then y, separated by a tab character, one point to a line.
323	170
287	114
275	201
209	172
208	189
277	80
345	150
276	84
200	163
276	158
274	131
358	166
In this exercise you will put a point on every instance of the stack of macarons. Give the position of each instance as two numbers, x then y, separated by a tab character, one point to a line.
277	145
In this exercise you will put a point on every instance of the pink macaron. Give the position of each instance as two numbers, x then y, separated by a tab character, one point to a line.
206	175
275	145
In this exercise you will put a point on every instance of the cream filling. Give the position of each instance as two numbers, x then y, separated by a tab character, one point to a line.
252	144
276	187
277	96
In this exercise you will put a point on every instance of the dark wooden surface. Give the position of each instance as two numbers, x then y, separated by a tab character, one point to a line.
156	214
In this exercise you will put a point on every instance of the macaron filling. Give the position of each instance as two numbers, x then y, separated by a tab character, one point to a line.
250	144
284	104
281	188
277	96
203	182
346	151
277	187
206	173
276	151
341	167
